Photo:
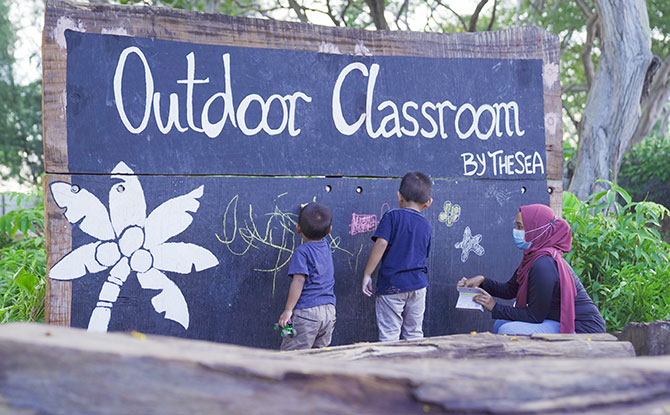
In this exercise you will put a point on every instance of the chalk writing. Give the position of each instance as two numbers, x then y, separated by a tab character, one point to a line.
362	223
500	195
450	213
470	243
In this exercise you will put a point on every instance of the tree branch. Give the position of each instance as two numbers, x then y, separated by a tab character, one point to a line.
575	88
344	11
465	25
377	13
404	6
565	41
475	16
663	127
298	11
586	9
572	118
493	15
333	18
587	61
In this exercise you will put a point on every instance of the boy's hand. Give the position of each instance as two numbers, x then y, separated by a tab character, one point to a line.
366	287
475	281
285	318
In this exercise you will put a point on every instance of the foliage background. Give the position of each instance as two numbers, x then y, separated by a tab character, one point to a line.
20	108
22	260
619	255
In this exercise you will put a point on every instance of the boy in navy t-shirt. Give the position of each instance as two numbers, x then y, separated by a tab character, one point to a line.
402	243
310	305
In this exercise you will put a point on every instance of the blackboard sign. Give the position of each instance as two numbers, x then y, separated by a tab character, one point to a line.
229	265
177	162
176	108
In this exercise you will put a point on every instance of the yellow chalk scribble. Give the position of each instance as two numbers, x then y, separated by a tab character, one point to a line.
241	232
278	233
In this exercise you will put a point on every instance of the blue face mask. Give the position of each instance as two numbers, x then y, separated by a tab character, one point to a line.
520	235
520	239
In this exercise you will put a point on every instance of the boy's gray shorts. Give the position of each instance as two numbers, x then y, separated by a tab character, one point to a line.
401	314
314	328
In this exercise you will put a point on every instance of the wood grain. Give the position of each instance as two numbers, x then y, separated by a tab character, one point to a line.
56	370
58	244
482	346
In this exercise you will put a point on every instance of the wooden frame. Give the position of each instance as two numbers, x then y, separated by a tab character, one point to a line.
172	24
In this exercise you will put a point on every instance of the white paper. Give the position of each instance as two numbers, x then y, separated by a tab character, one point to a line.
466	297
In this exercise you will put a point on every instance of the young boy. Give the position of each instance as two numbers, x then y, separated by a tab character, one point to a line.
402	243
310	305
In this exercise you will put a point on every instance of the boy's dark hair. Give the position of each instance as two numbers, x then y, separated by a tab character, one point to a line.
315	220
416	187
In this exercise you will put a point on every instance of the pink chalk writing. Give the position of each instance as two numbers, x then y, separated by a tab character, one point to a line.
362	223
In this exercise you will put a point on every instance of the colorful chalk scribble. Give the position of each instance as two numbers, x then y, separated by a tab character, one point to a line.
241	234
470	243
362	223
450	213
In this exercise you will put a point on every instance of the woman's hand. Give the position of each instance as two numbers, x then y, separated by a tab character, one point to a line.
475	281
485	300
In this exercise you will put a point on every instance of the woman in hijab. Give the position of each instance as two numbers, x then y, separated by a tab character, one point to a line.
550	297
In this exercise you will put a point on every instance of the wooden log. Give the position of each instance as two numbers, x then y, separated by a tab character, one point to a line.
483	346
648	339
58	370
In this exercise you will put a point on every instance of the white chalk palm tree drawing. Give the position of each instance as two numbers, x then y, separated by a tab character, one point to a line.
128	240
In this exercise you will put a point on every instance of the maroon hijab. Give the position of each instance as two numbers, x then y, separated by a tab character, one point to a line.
552	240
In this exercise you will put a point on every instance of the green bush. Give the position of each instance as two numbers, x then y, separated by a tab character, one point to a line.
645	171
22	263
647	159
619	255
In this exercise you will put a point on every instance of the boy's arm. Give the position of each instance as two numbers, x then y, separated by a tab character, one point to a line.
293	296
375	256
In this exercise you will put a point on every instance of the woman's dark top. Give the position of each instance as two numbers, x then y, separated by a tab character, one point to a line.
544	298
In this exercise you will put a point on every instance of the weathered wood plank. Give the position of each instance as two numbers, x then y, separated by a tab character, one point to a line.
55	370
483	346
555	189
58	244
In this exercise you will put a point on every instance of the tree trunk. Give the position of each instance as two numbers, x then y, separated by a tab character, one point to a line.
653	105
55	370
613	107
213	6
